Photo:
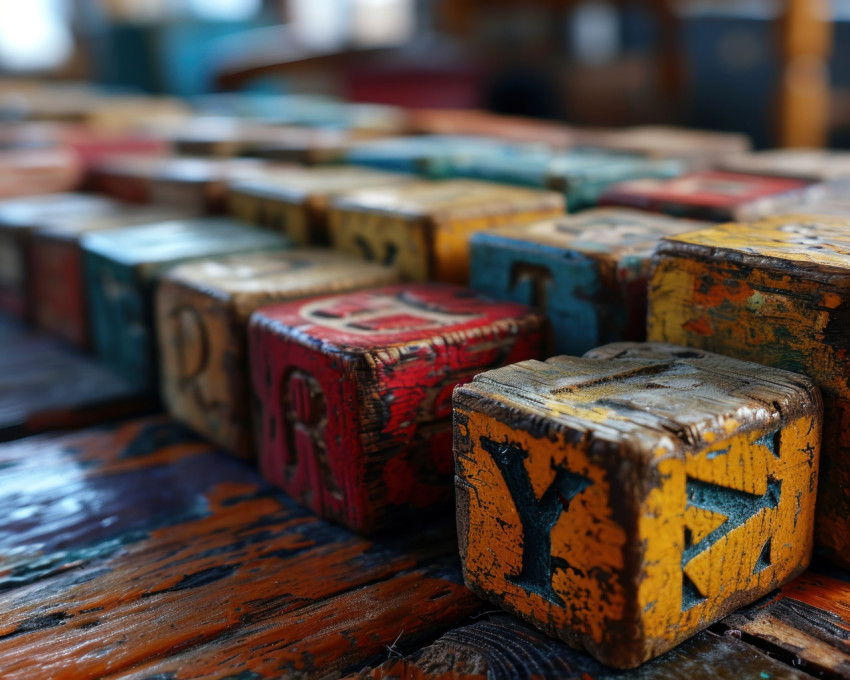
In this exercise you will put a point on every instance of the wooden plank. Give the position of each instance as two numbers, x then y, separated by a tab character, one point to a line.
806	624
708	195
46	386
601	498
423	228
503	648
121	268
589	272
775	292
296	200
354	393
140	547
201	318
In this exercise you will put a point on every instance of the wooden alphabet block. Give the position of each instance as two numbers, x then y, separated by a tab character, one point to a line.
628	499
295	200
59	304
19	218
423	228
121	267
202	311
582	175
588	272
775	292
354	393
708	195
127	177
27	172
810	165
200	184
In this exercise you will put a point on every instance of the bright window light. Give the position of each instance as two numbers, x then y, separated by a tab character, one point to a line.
34	34
224	10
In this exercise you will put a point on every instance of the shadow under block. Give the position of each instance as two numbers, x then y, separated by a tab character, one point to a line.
354	393
58	294
46	386
423	228
202	311
588	272
121	268
295	200
19	218
709	195
154	555
776	292
626	500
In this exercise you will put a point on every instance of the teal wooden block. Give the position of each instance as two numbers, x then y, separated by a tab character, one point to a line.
588	272
582	174
121	269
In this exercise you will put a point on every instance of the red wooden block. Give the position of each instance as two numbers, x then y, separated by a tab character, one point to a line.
708	195
354	393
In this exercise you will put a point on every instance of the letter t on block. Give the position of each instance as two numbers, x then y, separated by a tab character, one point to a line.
626	500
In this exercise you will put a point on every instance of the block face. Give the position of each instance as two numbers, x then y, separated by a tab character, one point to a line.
199	184
18	219
202	311
295	200
774	292
600	498
588	272
708	195
121	269
423	228
355	393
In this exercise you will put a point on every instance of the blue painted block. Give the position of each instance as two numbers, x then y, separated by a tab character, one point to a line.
588	272
121	267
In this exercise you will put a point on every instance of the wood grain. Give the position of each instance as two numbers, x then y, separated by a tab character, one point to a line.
600	498
139	551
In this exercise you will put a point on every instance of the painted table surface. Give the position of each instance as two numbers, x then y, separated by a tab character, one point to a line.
46	386
139	551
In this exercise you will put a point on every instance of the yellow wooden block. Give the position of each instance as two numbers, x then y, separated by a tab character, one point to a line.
626	500
202	311
424	228
776	292
295	200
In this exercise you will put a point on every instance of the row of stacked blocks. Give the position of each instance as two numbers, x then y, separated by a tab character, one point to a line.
622	501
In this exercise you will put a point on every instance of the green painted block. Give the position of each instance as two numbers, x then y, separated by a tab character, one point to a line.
121	270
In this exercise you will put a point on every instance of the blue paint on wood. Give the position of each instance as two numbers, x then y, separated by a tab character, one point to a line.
564	283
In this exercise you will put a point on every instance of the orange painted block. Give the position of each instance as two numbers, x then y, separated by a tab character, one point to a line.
202	311
59	304
776	292
626	500
295	200
423	228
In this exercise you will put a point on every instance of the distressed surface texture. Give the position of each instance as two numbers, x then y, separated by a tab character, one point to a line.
18	219
202	311
423	228
58	289
588	272
709	195
295	200
354	393
138	551
776	292
601	498
121	268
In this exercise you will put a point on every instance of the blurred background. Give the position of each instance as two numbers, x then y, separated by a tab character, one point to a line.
776	70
